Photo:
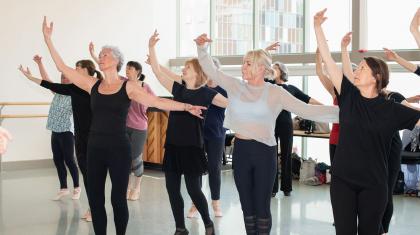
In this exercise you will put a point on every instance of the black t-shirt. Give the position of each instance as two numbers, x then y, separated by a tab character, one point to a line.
366	128
417	70
80	103
285	115
396	143
185	129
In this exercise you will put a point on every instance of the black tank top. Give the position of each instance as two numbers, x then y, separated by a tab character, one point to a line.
109	112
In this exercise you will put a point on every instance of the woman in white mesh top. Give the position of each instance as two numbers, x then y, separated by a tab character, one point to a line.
252	111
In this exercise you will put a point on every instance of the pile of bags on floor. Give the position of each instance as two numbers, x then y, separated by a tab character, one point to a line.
309	171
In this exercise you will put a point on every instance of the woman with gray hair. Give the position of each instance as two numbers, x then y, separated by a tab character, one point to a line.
284	130
109	147
253	108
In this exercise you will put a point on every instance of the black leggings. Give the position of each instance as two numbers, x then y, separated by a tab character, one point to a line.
333	147
352	204
394	167
118	161
81	155
214	148
192	182
255	169
284	131
62	144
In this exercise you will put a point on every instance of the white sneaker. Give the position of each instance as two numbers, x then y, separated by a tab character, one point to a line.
76	193
60	194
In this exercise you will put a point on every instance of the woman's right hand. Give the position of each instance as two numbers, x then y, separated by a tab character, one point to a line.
91	48
26	72
345	42
47	30
202	39
390	55
154	39
37	59
319	18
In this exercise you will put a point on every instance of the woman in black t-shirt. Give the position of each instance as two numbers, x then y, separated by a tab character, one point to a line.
108	147
284	131
367	124
184	146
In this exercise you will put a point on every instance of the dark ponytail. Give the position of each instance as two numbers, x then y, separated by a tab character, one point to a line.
90	67
137	66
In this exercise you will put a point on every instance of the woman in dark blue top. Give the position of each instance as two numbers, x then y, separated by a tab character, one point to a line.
108	147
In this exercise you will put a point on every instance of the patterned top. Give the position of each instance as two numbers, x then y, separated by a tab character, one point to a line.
60	116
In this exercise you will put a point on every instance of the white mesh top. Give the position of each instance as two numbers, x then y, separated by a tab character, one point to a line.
252	110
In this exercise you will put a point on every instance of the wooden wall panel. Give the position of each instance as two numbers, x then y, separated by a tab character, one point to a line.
156	133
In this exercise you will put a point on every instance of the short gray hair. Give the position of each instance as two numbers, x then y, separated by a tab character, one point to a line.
117	55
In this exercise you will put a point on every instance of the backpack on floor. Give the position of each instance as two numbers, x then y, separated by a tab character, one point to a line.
296	164
400	184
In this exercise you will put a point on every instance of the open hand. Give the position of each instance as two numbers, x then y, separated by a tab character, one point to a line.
273	46
26	72
345	42
390	55
47	30
202	39
154	39
195	110
37	59
319	18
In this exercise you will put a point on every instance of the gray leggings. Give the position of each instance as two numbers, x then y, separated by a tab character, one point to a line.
137	139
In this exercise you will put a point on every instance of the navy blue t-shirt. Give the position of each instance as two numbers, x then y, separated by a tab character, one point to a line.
213	125
285	116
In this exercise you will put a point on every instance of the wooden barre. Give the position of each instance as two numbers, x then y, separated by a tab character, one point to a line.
23	103
23	116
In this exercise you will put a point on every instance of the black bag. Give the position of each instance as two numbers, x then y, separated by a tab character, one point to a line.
400	184
307	125
296	163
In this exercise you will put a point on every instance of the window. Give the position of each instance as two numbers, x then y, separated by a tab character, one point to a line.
336	26
389	25
194	19
280	20
233	34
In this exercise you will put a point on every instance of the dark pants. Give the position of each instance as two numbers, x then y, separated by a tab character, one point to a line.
192	182
62	144
116	160
81	141
333	147
394	167
357	209
255	169
214	149
284	132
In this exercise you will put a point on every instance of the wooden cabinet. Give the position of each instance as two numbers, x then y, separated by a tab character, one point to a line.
156	134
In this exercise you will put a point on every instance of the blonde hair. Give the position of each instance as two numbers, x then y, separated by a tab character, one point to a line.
261	57
201	78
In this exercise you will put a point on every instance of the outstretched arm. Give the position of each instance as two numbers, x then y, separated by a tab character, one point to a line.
84	82
136	93
322	76
345	57
414	27
156	68
392	56
272	47
42	71
92	52
336	74
220	101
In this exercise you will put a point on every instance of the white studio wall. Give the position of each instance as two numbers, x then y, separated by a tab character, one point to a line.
126	24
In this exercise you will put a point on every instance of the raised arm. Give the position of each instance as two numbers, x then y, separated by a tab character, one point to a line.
84	82
156	68
345	57
413	99
322	76
92	52
320	113
414	27
136	93
42	71
223	80
272	47
392	56
336	74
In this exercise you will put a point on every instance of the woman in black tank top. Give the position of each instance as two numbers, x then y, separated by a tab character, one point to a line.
108	147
